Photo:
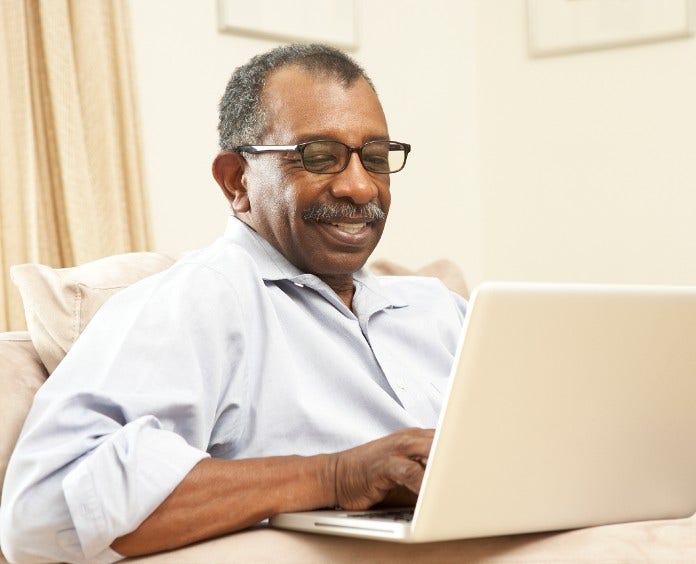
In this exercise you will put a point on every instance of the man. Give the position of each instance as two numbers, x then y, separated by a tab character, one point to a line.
268	372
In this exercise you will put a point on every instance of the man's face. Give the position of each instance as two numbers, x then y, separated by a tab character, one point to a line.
299	108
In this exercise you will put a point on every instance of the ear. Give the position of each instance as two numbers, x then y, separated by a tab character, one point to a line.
228	171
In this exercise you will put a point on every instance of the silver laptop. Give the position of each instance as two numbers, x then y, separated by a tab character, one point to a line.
569	406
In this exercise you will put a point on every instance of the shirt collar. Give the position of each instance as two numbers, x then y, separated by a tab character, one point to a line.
273	266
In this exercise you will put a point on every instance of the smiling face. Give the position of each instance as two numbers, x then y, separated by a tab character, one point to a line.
284	202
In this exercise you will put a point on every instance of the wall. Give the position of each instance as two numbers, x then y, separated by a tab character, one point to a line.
576	167
588	171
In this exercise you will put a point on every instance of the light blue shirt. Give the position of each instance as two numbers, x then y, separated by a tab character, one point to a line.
232	353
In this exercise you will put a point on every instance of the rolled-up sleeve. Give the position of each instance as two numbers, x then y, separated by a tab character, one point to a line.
123	481
121	421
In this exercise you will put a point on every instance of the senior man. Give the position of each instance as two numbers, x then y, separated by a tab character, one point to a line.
267	372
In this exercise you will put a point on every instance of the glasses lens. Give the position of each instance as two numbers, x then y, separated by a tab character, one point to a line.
383	156
324	156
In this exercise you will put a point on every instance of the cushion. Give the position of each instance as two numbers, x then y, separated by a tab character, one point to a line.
444	269
59	302
21	374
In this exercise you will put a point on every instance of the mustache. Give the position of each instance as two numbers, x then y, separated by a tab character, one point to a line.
341	210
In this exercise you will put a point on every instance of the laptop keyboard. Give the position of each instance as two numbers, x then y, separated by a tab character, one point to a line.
387	514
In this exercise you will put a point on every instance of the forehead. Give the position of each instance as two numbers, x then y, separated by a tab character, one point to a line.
301	106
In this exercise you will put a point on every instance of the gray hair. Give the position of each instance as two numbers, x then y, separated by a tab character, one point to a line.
242	119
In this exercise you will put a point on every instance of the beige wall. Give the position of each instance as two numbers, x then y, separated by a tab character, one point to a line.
578	167
588	161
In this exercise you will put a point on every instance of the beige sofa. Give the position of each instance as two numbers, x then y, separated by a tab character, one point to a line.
60	302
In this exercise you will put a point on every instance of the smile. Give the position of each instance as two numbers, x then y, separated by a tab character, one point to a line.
350	227
346	233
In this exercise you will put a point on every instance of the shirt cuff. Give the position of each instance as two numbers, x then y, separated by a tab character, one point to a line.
119	484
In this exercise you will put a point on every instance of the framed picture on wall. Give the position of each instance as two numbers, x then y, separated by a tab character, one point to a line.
565	26
321	21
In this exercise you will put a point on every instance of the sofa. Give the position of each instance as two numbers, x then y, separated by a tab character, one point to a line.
60	302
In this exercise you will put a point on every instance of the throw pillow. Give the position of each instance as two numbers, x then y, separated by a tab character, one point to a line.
59	302
444	269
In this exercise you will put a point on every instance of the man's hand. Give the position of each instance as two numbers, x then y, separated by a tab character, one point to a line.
367	473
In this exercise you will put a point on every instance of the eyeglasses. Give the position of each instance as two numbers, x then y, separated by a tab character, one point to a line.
331	157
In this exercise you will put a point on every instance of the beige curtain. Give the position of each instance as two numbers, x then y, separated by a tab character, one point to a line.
71	179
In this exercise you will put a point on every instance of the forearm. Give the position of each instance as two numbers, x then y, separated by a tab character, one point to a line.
221	496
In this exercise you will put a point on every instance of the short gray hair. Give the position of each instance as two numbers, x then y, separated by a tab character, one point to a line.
241	113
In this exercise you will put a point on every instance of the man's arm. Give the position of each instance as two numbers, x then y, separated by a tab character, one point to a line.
221	496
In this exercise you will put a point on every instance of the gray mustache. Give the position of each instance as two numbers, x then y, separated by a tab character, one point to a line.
341	210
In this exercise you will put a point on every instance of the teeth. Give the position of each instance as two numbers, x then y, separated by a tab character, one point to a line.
349	227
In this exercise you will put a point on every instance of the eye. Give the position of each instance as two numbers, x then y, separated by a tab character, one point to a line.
377	160
320	157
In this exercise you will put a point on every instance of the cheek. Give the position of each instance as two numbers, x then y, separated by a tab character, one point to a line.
276	204
265	192
284	194
300	191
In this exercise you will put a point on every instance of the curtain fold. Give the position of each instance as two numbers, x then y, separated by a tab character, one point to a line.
71	173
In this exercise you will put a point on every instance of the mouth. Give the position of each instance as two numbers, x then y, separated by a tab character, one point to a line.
351	228
348	232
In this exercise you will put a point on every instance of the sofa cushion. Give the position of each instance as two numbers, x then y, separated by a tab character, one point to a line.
21	374
447	271
648	541
59	302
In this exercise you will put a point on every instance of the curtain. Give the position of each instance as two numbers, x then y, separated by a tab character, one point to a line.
71	176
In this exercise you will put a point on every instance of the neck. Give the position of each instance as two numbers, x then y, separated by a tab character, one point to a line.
343	286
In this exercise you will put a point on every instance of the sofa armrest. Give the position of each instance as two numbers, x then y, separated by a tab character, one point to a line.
21	374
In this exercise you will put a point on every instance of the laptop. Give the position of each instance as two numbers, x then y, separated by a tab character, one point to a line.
569	405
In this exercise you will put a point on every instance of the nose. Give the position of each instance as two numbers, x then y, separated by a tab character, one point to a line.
355	183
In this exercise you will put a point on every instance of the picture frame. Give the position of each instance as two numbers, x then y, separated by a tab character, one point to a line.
334	22
565	26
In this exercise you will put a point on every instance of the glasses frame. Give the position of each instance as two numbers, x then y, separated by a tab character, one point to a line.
300	148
